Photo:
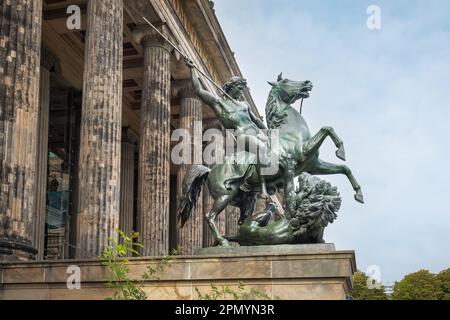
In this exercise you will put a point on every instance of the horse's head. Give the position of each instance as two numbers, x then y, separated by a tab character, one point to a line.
290	91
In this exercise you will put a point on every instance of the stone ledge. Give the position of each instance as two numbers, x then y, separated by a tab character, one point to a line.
325	275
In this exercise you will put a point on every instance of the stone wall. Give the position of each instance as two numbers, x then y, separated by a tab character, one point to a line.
320	274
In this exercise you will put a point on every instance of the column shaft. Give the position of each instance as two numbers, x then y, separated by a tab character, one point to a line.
99	162
42	162
127	184
20	47
190	237
154	147
232	217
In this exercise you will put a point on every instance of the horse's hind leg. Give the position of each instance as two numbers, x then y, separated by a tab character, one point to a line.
322	168
313	144
219	205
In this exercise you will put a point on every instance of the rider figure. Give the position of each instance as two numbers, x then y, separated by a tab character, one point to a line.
238	116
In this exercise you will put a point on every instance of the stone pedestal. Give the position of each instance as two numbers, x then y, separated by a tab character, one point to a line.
313	272
278	249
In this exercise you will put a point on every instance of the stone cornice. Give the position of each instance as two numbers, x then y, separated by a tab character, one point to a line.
195	39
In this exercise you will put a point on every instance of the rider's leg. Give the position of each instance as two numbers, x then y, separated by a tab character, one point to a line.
313	144
254	145
323	167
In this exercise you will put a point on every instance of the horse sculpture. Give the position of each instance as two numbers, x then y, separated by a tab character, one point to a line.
237	182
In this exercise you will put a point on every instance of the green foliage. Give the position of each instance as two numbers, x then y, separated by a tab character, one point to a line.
361	290
114	257
420	285
444	278
226	293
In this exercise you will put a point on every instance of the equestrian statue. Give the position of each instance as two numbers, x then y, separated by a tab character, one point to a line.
240	177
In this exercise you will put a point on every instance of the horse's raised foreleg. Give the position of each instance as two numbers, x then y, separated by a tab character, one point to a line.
313	144
323	168
219	205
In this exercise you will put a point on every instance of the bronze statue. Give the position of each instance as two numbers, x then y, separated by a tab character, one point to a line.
236	181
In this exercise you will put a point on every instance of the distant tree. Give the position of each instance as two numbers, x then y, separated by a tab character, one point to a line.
420	285
444	277
362	290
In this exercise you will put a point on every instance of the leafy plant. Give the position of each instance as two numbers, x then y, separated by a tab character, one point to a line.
225	292
115	258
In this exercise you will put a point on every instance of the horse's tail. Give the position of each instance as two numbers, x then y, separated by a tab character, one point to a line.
192	186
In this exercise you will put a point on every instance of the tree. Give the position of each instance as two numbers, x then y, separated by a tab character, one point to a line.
420	285
444	277
362	291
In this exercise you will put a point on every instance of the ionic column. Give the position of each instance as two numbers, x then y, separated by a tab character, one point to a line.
154	145
48	63
219	151
20	48
127	181
101	117
190	237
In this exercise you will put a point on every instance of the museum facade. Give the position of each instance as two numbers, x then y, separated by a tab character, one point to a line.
87	113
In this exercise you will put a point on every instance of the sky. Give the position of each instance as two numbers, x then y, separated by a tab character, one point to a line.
386	92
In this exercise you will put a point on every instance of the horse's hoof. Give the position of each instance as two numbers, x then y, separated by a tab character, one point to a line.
224	243
359	196
340	153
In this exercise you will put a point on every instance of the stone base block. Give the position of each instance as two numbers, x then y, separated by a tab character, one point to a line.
285	272
277	249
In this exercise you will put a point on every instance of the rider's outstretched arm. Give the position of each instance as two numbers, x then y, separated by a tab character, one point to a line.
258	121
208	98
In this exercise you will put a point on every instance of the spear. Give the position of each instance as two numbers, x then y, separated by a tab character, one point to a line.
198	69
187	58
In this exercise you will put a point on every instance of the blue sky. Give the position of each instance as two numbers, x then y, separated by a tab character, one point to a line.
387	94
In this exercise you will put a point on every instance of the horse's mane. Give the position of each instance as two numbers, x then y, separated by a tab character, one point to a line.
275	115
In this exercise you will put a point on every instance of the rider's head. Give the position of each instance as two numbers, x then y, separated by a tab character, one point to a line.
235	86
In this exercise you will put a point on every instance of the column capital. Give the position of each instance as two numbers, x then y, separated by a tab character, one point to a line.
49	61
128	136
184	89
212	124
147	37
